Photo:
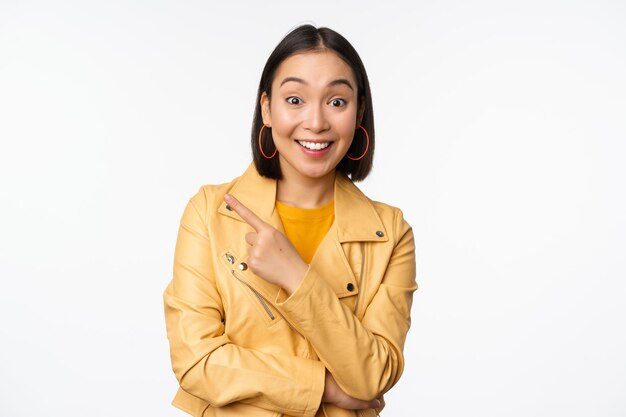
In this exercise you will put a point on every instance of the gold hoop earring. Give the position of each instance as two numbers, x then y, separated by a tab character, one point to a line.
367	144
261	146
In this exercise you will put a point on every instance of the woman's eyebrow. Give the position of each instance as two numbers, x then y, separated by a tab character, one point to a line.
341	81
330	84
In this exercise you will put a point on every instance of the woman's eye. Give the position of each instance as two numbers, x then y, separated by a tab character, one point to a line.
337	102
293	100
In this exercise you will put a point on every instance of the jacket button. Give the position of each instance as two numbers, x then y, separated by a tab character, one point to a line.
350	286
229	208
379	233
243	266
230	258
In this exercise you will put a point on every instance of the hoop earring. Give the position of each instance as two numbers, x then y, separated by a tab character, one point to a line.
261	146
367	144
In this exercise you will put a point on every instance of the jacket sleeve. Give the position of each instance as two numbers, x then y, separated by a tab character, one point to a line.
368	360
207	365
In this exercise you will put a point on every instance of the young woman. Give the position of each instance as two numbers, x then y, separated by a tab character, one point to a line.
292	290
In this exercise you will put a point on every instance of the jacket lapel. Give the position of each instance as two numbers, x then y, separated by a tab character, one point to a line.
356	221
356	217
258	194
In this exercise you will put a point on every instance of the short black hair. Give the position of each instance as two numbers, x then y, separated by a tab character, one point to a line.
303	39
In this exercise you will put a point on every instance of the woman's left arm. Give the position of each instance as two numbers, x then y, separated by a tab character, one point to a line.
365	357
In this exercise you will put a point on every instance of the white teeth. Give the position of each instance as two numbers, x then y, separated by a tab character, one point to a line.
315	146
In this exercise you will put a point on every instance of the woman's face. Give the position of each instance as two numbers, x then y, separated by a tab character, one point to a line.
313	113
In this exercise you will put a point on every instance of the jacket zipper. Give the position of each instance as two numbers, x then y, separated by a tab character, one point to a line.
263	301
258	296
361	281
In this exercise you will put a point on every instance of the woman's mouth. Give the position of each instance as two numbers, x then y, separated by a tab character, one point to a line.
314	146
315	149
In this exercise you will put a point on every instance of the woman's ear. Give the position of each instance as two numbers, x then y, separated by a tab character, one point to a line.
361	111
265	109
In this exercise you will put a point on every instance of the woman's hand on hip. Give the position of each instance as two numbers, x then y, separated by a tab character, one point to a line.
271	255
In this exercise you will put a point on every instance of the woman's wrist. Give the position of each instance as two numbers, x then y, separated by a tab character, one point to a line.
295	278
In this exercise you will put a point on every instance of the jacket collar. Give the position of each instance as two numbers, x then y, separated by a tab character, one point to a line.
356	218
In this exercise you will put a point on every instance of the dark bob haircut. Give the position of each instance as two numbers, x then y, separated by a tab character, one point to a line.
308	38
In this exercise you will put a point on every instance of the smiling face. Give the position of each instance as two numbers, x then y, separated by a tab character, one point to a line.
313	113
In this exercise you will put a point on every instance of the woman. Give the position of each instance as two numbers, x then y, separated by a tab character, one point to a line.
292	291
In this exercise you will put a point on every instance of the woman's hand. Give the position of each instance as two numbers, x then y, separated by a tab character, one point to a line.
335	395
270	254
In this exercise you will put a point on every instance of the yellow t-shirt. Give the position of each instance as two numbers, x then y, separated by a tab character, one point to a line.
306	227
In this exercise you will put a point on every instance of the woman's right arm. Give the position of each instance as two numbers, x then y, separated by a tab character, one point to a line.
206	363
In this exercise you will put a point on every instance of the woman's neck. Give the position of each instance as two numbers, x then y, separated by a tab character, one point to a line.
306	192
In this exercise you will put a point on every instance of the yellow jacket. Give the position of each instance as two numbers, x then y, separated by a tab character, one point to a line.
240	347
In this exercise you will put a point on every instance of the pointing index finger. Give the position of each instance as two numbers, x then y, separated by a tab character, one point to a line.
245	213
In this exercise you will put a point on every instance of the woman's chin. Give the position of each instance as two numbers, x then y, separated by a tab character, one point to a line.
315	173
307	169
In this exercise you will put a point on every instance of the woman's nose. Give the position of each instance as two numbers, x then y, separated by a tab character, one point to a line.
316	119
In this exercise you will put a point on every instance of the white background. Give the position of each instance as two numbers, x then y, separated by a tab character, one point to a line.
500	133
